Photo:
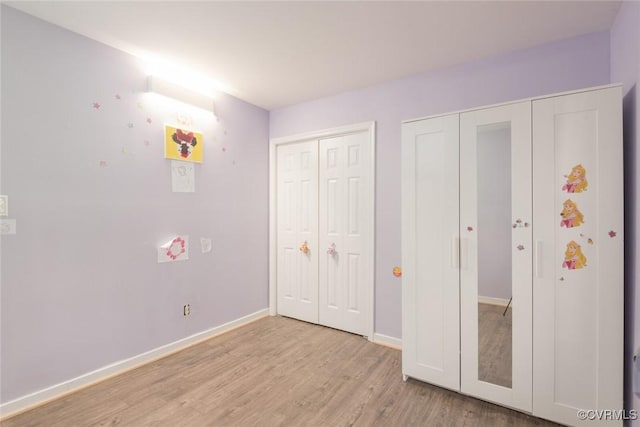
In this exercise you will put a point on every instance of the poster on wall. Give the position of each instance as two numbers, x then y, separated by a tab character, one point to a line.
182	177
182	144
176	249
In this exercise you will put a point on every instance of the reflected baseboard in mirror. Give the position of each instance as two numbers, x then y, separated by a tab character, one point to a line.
494	344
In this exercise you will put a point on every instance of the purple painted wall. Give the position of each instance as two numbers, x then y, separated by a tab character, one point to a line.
566	65
81	288
625	68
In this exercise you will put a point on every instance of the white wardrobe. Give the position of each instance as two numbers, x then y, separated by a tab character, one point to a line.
322	235
512	254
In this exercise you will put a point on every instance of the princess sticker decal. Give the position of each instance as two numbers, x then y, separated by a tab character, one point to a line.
571	215
576	180
574	259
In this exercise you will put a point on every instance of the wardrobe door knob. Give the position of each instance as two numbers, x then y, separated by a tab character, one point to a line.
304	248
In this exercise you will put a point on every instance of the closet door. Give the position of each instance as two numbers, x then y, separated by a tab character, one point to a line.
430	226
297	230
345	220
578	231
496	254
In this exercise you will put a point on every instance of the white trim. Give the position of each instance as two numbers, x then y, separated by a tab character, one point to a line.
43	396
387	341
500	104
493	301
319	134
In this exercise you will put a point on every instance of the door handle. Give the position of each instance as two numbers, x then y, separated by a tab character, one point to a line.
538	262
332	250
455	252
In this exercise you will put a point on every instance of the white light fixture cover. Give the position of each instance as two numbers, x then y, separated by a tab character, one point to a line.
166	88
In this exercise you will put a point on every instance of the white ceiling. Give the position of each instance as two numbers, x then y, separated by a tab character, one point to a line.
274	54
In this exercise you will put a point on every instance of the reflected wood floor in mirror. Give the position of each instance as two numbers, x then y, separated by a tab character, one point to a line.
273	372
494	344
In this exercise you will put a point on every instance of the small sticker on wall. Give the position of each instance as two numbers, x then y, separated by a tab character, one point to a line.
574	259
612	234
7	226
576	180
397	271
520	247
177	249
571	215
205	245
4	205
96	105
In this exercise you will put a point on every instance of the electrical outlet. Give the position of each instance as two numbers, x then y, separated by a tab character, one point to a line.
186	310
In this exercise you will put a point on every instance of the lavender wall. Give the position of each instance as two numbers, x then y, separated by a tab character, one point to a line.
81	288
566	65
625	68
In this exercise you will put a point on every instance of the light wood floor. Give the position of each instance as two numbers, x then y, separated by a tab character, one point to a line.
494	344
273	372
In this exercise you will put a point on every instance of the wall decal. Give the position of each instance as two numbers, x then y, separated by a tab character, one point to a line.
130	125
205	245
7	226
612	234
571	215
182	144
182	177
397	271
4	205
576	180
469	228
118	97
520	247
176	249
102	163
149	120
96	105
574	259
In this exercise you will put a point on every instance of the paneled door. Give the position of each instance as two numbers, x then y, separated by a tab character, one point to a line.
579	271
496	254
322	227
344	237
297	230
430	246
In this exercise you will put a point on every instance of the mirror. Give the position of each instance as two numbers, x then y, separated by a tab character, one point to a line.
494	254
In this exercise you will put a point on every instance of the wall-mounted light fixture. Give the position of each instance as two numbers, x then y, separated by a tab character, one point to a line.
172	90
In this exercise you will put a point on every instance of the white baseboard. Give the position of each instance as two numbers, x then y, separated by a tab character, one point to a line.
40	397
387	341
493	301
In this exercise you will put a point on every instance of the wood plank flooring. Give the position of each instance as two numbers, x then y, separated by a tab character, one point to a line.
495	332
273	372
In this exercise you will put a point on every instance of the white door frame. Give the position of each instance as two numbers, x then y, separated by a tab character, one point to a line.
325	133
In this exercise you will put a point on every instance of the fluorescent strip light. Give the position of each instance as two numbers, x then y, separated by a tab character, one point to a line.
164	87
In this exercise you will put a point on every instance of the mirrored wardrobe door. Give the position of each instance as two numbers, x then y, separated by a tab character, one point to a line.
495	254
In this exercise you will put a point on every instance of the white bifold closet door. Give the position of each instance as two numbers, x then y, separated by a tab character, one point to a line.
324	241
495	254
344	238
297	211
430	235
578	267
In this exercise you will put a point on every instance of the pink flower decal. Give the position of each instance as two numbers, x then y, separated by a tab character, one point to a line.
96	105
176	248
612	234
469	228
520	247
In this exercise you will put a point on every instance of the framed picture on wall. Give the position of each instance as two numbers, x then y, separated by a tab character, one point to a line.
182	144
